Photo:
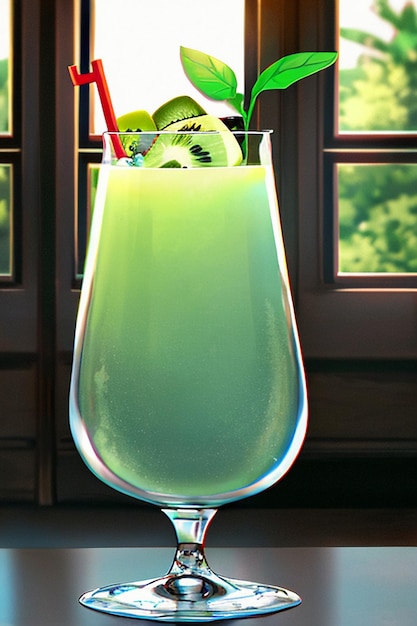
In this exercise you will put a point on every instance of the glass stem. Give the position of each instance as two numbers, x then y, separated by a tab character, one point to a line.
190	576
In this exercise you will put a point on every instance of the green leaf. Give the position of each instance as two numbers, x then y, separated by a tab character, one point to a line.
292	68
212	77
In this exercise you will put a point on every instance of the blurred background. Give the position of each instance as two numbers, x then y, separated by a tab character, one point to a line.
345	151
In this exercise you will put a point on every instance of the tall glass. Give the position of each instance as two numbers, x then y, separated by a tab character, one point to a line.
187	387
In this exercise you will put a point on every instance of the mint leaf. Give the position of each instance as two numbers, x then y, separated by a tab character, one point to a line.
292	68
217	81
212	77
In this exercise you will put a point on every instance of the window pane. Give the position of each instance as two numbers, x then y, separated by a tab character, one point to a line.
139	45
88	179
5	67
378	65
6	221
377	218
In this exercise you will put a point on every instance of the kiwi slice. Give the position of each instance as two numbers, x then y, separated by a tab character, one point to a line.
135	122
175	110
180	145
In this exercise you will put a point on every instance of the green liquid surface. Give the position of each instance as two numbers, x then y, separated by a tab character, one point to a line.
189	384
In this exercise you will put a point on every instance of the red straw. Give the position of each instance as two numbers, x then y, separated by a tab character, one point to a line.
97	76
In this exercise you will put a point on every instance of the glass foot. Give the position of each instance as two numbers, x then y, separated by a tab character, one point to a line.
191	591
188	598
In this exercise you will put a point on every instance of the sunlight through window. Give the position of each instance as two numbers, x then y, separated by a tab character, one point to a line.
139	45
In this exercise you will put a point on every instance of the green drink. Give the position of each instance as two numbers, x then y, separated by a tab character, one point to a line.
189	384
187	387
188	375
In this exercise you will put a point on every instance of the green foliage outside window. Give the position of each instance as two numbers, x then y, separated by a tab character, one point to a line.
4	95
378	203
380	93
4	174
5	226
378	218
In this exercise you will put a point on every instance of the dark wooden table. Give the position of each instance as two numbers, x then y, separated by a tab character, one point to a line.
346	586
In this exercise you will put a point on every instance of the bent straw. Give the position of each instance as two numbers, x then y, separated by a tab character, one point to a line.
97	76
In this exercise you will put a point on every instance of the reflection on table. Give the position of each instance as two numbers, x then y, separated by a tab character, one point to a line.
339	586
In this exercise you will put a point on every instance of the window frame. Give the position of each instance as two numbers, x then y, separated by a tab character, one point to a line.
356	148
334	323
18	292
368	317
11	152
74	138
364	317
89	146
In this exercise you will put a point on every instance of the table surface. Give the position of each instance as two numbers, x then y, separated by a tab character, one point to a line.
340	586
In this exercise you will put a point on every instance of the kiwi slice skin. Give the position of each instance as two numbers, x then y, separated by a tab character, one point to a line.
189	148
135	121
175	110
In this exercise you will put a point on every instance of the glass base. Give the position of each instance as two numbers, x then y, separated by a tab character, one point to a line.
188	598
191	591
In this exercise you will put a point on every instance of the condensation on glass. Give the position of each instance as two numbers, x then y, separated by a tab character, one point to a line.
6	198
376	193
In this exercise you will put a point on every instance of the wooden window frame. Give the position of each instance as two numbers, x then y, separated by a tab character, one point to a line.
370	317
357	364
